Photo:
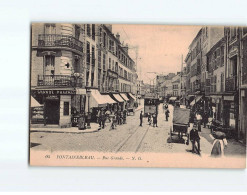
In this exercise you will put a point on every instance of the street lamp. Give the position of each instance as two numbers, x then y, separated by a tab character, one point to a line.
88	113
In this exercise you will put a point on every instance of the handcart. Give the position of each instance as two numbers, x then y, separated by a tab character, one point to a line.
180	124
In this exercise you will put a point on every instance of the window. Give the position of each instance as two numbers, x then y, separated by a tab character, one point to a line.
77	32
104	68
233	32
66	108
104	40
116	67
99	59
93	31
92	79
100	35
88	53
49	65
77	65
50	29
113	68
109	63
88	30
93	55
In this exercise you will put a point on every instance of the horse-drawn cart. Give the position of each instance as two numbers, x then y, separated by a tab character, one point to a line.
180	124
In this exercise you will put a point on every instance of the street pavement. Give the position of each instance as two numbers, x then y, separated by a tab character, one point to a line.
128	137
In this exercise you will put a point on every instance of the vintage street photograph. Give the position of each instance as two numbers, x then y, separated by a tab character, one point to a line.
134	95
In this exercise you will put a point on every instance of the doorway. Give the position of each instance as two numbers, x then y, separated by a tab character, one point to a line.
52	111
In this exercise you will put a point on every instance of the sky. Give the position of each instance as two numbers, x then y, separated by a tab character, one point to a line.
160	47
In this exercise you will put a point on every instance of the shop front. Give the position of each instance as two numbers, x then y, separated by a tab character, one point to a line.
230	112
132	100
94	102
119	100
56	106
110	102
126	100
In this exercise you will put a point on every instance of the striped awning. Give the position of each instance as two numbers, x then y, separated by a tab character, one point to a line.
124	96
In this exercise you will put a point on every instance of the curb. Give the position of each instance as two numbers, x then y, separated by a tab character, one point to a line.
73	132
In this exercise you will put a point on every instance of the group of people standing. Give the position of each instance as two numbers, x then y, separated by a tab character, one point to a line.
118	118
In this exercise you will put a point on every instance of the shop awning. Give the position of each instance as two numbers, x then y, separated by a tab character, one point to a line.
124	96
35	103
196	100
109	99
96	99
118	97
173	98
133	97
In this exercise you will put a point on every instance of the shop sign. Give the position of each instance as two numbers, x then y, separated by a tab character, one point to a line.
52	97
55	92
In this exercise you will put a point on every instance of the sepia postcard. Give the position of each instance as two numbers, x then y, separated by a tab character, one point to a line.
128	95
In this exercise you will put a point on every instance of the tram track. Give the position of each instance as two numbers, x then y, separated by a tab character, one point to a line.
133	142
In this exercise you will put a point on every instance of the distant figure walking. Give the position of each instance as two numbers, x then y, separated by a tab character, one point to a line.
141	118
195	138
167	114
155	120
149	119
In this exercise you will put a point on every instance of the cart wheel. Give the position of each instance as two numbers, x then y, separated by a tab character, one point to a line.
171	133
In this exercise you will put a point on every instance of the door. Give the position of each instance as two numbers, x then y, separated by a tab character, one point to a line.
52	111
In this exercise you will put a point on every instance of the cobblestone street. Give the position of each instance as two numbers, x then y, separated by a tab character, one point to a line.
129	137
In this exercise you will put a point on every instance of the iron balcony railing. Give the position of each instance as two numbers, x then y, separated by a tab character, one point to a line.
54	40
59	81
231	84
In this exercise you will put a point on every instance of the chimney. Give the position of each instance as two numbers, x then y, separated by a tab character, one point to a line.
118	36
126	48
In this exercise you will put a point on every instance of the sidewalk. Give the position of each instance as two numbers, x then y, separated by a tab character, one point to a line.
234	148
73	130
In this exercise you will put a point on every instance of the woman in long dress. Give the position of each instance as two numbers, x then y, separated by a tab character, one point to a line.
219	144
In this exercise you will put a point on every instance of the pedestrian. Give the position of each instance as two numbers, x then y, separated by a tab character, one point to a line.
149	119
205	119
99	118
167	114
103	118
155	120
195	138
198	120
118	117
219	144
141	117
124	116
107	113
114	121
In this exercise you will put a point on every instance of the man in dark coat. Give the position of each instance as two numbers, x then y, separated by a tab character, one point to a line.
141	117
155	120
194	137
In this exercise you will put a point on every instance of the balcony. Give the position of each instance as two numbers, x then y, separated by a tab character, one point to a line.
59	81
54	40
231	84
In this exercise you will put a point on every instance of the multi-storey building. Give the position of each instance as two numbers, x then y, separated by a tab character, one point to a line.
72	64
140	88
57	72
216	72
243	85
222	75
176	85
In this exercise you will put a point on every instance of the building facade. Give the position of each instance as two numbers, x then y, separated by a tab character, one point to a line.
71	64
